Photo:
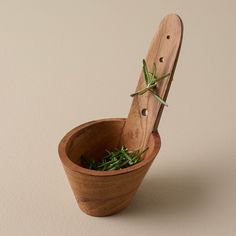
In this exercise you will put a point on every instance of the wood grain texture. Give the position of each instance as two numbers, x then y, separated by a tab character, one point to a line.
102	193
164	51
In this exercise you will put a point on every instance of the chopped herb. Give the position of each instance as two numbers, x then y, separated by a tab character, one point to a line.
115	160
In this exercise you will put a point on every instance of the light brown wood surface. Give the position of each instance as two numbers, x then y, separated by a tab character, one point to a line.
102	193
164	50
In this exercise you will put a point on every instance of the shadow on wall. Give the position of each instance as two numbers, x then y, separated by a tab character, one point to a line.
172	195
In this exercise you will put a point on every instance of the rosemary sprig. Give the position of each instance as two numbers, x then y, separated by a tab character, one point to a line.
115	160
151	80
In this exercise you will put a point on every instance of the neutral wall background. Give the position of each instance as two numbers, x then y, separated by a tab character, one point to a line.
63	63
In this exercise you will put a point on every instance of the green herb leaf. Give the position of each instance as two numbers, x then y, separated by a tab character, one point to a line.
118	159
154	71
151	80
159	98
145	72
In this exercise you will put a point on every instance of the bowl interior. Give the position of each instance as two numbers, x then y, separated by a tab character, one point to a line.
92	139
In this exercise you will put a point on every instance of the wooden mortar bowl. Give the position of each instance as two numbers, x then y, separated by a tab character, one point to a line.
102	193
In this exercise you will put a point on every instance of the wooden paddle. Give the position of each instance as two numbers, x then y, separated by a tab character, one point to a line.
145	112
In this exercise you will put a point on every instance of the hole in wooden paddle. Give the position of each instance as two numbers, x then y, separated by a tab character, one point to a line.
168	36
161	59
144	112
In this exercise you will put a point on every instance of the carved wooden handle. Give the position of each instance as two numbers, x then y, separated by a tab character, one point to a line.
145	112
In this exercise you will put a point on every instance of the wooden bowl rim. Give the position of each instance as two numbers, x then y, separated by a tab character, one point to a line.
74	167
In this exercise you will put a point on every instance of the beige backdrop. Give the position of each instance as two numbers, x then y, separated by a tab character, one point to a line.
63	63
